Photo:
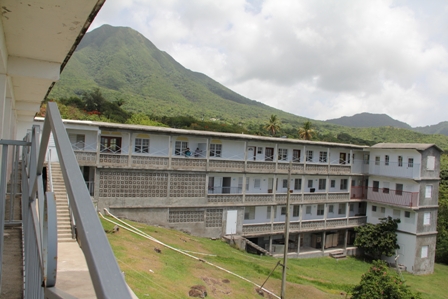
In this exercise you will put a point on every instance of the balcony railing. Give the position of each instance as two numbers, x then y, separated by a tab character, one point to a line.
225	190
39	219
304	225
393	197
395	169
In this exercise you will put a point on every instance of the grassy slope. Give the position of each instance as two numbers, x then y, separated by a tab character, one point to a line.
170	274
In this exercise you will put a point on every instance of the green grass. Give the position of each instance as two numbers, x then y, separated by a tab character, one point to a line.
171	274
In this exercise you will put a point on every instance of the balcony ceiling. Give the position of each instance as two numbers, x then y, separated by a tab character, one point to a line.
38	38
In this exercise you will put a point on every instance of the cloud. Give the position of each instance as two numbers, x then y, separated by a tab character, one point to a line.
318	59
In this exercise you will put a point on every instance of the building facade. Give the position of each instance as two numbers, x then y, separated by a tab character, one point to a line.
215	184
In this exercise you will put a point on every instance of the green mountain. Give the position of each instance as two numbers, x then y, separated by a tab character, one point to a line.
369	120
440	128
127	68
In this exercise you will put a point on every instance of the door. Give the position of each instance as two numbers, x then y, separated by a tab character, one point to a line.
342	158
251	153
231	222
269	154
226	181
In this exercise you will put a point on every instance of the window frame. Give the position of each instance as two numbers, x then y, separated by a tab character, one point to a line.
323	157
143	148
282	154
215	150
180	147
107	144
309	156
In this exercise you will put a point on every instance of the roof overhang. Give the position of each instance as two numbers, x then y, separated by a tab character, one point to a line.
37	38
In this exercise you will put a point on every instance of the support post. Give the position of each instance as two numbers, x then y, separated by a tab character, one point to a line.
285	252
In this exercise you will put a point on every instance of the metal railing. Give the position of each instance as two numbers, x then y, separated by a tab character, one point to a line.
393	197
39	217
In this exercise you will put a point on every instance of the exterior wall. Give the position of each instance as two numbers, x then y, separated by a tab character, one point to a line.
171	190
427	173
425	265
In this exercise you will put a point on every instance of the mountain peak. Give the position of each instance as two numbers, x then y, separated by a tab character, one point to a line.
369	120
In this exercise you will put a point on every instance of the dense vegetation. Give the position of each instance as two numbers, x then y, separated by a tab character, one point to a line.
379	283
442	219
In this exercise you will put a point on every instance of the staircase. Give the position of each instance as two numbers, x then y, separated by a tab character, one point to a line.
252	244
338	255
62	211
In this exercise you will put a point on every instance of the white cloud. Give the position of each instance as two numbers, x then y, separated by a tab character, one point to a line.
318	59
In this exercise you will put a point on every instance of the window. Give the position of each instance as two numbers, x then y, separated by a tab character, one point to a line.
110	144
428	191
249	213
320	210
377	160
410	162
366	158
268	212
431	163
141	146
386	160
215	150
295	211
298	184
282	154
259	150
424	253
400	161
333	183
352	207
296	155
180	147
257	183
285	183
427	218
383	210
330	209
376	186
77	141
341	208
308	210
386	187
309	156
310	183
396	213
322	184
283	211
399	189
323	157
373	208
407	214
344	184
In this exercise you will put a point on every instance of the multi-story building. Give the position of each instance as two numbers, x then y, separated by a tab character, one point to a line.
214	184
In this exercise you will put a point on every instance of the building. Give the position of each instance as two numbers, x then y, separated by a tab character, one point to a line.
236	184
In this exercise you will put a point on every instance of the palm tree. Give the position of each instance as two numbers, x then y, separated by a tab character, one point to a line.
273	125
306	132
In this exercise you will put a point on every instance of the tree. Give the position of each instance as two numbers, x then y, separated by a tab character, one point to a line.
379	283
306	132
378	239
273	125
442	218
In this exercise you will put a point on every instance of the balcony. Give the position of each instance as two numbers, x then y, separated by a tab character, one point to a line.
393	197
304	226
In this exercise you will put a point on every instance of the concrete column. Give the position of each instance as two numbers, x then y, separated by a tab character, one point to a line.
130	150
270	240
3	112
170	150
324	236
298	243
345	240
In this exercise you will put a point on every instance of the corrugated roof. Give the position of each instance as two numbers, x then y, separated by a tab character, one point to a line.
206	133
416	146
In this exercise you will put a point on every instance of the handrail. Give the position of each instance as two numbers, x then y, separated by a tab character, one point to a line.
107	279
49	174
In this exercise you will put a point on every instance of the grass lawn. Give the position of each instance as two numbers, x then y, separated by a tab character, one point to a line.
169	274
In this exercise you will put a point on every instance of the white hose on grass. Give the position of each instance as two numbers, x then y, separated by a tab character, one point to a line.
145	235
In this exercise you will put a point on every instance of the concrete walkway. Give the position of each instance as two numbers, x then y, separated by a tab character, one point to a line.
73	274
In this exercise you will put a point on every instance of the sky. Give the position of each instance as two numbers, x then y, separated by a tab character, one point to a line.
313	58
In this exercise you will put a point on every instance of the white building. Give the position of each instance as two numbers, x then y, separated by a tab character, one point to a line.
236	184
